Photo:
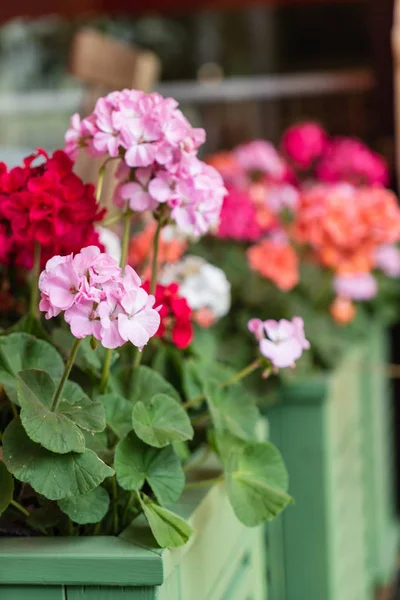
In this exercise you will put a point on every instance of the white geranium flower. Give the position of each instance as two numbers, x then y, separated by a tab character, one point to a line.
111	242
203	285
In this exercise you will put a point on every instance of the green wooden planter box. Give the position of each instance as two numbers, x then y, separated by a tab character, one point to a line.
382	531
223	561
318	548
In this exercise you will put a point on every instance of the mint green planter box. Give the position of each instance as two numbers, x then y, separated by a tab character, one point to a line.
318	547
223	561
382	531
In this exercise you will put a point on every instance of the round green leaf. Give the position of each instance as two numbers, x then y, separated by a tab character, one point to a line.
51	429
86	413
59	430
55	476
257	481
232	410
118	413
170	530
135	463
6	487
161	422
88	508
147	383
21	351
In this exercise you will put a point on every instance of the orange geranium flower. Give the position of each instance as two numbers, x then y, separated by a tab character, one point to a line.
275	260
345	225
343	310
140	255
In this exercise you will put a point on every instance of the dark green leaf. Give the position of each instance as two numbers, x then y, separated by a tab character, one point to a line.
21	351
118	413
87	359
147	383
88	508
55	476
6	487
169	530
51	429
198	372
135	463
232	409
58	430
257	481
48	515
162	421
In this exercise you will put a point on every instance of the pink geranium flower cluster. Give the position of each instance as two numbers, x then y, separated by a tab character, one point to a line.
98	299
282	342
158	151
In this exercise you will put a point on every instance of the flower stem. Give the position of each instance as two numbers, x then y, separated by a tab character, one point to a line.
65	375
237	377
106	371
154	264
35	281
199	484
124	255
125	239
111	220
100	181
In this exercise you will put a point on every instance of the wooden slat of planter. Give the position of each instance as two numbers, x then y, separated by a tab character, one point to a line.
77	561
20	592
111	593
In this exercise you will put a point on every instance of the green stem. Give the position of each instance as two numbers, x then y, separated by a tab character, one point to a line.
33	305
106	371
111	220
125	239
21	509
115	506
26	514
100	181
65	375
237	377
154	264
206	482
14	411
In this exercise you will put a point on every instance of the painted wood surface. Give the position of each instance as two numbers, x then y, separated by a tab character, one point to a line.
321	540
223	561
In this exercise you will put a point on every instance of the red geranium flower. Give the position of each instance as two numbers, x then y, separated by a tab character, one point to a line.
48	204
175	313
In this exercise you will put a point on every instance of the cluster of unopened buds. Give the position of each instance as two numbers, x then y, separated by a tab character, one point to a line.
98	299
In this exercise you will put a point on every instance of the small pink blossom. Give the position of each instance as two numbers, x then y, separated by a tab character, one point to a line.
362	286
97	299
387	258
304	143
282	342
259	156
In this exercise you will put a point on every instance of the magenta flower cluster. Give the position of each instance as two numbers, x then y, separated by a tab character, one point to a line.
98	299
158	151
282	342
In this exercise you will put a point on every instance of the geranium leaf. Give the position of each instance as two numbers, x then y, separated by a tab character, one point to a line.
135	463
257	481
197	373
147	383
232	409
55	476
21	351
170	530
84	412
88	508
58	430
118	413
51	429
6	487
162	421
